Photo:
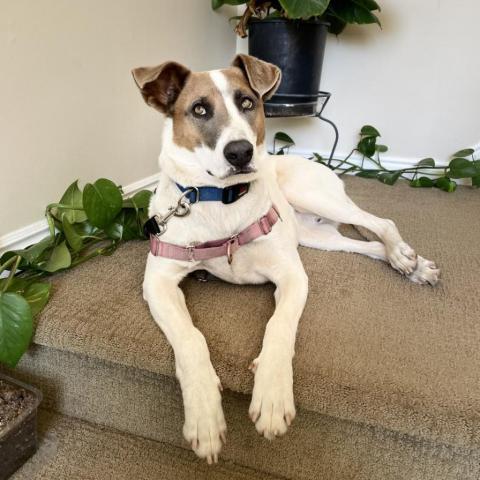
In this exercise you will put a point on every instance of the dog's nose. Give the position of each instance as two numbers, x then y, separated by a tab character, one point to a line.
238	153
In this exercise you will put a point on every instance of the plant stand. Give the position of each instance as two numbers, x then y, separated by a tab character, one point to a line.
312	106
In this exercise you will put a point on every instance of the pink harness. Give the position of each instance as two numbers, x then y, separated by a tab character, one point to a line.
216	248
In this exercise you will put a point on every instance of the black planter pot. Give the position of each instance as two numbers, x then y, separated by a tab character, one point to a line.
297	47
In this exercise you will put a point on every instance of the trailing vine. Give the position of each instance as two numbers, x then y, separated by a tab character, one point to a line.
82	225
426	174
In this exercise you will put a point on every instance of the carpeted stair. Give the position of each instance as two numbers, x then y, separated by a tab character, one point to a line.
387	373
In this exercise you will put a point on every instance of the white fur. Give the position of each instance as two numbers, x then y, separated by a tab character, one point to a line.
302	191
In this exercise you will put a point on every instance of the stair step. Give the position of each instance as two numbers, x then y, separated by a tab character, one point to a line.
73	449
317	446
372	347
387	377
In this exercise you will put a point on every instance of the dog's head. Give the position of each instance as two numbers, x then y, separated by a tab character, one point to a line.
215	127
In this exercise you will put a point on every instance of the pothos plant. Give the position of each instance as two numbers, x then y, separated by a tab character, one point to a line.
338	13
426	174
82	225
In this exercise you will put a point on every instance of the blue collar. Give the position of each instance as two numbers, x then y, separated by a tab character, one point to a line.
214	194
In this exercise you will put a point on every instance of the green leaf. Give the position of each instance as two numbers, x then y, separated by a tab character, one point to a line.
51	224
142	199
86	230
37	294
30	254
463	168
132	226
464	153
381	148
337	26
370	4
368	173
366	146
218	3
354	11
73	198
476	181
368	130
389	178
426	162
444	183
115	229
422	182
102	202
73	238
17	284
304	8
60	258
127	226
283	137
16	327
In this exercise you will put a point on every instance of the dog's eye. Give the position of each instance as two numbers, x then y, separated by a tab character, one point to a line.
199	110
247	103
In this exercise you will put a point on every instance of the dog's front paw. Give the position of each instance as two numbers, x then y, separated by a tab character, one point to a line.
272	408
402	257
425	272
205	426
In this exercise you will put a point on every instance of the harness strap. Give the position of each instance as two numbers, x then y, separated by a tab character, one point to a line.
216	248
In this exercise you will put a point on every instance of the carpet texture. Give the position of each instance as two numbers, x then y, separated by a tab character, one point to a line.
316	446
72	449
372	347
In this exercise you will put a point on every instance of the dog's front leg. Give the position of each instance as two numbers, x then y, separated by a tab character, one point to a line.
272	408
204	426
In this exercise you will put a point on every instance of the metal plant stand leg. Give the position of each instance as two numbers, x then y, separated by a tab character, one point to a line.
281	106
335	129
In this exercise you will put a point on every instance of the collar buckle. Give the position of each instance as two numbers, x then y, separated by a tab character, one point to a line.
232	193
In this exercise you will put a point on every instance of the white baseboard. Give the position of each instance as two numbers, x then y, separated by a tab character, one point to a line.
33	233
388	161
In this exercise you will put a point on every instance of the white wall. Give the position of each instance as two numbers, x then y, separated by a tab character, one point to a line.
68	106
417	80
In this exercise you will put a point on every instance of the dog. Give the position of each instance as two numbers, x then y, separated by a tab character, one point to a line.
224	205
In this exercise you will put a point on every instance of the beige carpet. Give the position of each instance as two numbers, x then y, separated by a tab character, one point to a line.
74	450
372	347
317	447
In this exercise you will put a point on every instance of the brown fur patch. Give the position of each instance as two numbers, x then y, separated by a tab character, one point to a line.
190	132
256	117
264	77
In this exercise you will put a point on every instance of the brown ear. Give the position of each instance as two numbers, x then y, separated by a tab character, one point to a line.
161	85
263	77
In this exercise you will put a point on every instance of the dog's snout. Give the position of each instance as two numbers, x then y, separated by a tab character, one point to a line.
238	153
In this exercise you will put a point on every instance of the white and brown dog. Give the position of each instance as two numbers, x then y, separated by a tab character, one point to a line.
214	139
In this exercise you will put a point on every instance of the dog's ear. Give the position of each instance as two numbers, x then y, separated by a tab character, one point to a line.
263	77
161	85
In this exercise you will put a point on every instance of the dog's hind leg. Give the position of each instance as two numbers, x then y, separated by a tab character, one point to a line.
313	188
324	235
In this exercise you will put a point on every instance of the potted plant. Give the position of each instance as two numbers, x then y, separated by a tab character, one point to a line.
291	34
18	424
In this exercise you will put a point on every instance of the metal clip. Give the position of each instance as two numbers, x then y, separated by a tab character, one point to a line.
180	210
